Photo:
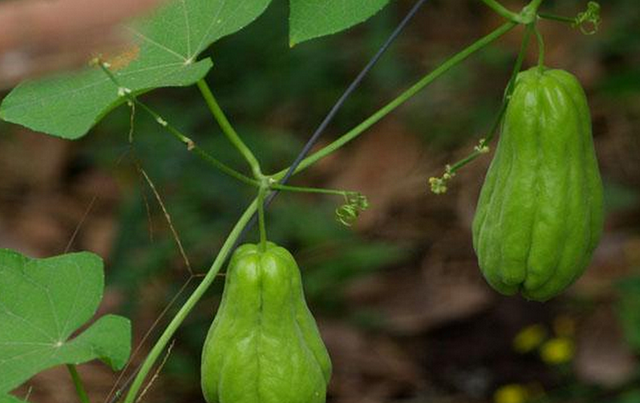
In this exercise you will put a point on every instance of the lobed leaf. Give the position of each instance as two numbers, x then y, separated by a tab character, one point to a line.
314	18
43	303
164	54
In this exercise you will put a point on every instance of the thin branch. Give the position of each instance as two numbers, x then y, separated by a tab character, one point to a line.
342	100
114	395
299	189
156	374
524	45
191	145
404	97
167	217
176	321
81	223
77	383
439	185
228	129
502	10
554	17
301	163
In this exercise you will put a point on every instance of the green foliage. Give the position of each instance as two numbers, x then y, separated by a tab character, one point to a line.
264	345
257	76
632	396
10	399
201	214
619	197
629	310
165	53
624	84
314	18
540	212
42	303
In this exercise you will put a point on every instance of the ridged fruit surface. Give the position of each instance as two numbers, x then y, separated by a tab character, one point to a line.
540	213
264	345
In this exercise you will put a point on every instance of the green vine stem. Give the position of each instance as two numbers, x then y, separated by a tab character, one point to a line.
228	130
558	18
526	16
224	168
177	320
77	382
187	141
540	40
299	189
526	40
404	97
502	10
439	185
307	162
225	250
530	12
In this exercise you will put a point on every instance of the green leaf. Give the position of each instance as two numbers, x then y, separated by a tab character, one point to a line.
314	18
10	399
42	303
632	396
164	54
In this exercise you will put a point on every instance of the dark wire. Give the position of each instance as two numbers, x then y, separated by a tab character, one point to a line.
352	87
334	110
311	142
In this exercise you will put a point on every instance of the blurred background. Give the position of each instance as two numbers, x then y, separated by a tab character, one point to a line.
399	297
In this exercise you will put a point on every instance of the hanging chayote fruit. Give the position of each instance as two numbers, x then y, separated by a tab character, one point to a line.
264	345
540	213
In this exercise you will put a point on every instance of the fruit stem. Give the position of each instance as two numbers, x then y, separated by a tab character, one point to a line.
541	48
262	192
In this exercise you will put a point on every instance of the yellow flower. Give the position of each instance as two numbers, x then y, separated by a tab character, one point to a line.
511	393
559	350
529	338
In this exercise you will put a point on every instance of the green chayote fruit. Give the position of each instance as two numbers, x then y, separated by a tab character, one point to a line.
540	213
264	345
